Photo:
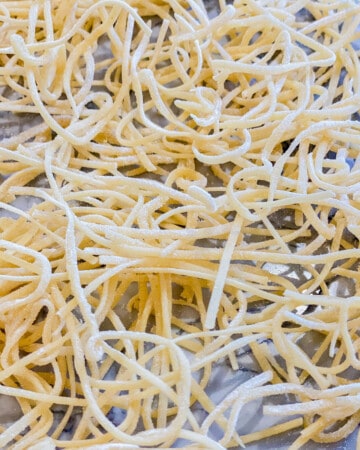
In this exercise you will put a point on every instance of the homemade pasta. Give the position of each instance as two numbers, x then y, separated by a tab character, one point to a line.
192	173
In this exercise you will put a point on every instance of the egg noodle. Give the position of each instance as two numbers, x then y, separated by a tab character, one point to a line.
193	174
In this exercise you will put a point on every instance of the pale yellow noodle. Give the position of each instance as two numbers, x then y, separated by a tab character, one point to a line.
194	186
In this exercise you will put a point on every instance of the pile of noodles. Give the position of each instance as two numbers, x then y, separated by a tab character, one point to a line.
179	157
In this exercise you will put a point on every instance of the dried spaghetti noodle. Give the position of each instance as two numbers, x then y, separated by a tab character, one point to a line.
194	177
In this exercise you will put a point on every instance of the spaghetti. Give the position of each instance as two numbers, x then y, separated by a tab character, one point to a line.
194	177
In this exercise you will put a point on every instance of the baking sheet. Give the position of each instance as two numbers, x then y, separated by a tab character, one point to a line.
224	379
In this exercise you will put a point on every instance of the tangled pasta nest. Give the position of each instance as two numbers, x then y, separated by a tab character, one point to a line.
194	182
